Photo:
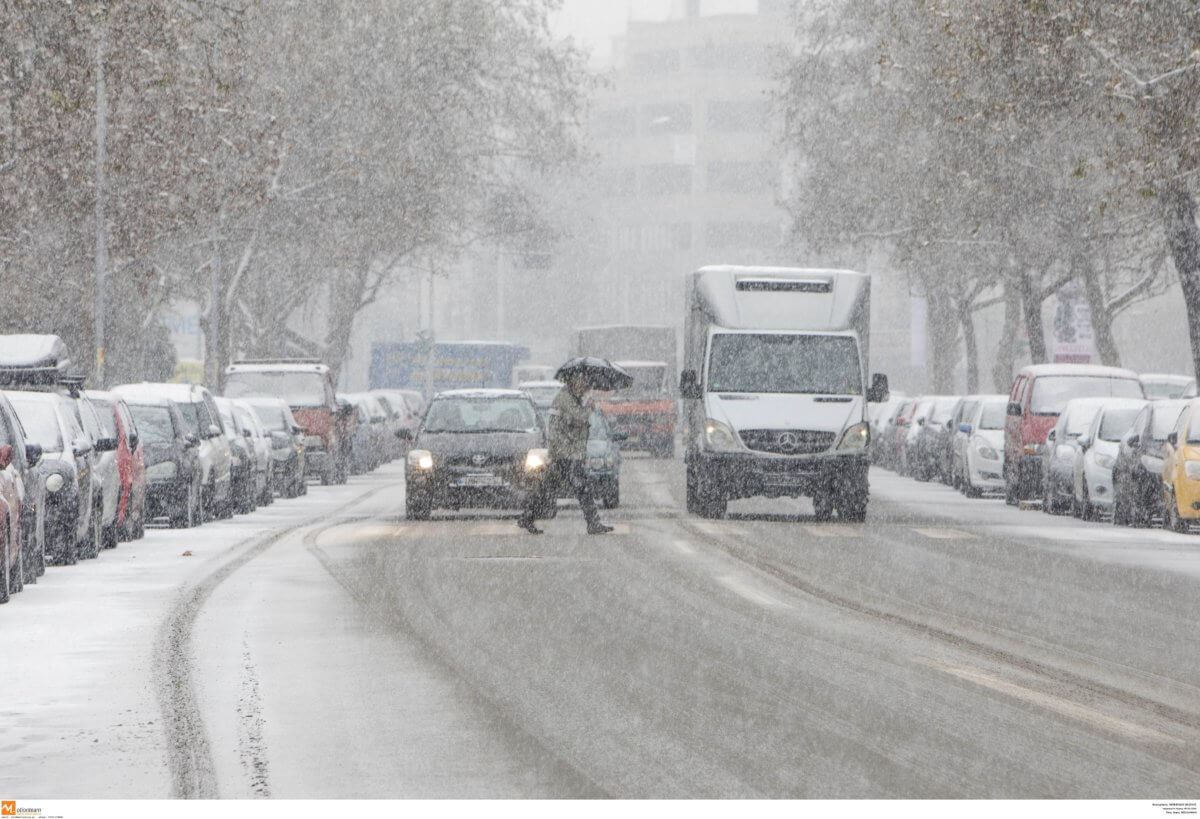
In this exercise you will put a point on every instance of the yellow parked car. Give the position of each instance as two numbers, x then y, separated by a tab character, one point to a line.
1181	470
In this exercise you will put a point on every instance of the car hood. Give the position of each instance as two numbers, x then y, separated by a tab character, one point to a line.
466	444
784	411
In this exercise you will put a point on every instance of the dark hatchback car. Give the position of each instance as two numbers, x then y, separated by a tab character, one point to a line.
171	454
1137	472
475	448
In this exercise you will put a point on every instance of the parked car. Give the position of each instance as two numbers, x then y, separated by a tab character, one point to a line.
12	490
895	429
881	414
287	445
373	434
1165	385
104	448
929	438
396	409
215	458
1092	481
1137	472
117	423
475	448
604	460
260	439
1038	395
68	467
1181	470
979	446
1062	450
174	478
244	464
307	387
25	464
408	408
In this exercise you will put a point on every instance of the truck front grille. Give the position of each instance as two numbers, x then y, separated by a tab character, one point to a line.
787	441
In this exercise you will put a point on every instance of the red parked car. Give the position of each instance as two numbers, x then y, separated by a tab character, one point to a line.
131	464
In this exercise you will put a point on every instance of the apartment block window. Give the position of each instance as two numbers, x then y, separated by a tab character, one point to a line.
667	118
742	57
737	116
724	235
664	179
655	62
740	177
615	122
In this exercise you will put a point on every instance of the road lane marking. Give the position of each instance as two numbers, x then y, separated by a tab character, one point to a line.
943	534
830	530
740	588
1059	705
683	547
711	529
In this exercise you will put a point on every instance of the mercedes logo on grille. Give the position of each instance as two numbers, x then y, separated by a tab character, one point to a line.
788	441
479	460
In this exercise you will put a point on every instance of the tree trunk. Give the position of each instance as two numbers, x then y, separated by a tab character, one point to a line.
966	319
1006	355
1183	238
943	340
1085	270
1031	302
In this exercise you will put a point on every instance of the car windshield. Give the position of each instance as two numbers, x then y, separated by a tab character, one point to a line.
37	417
1051	393
191	414
993	414
1173	388
104	412
480	415
943	408
777	363
298	389
1079	419
153	423
273	418
1194	429
1116	422
244	420
1163	421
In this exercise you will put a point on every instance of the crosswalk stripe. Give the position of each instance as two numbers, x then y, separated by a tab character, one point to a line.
943	534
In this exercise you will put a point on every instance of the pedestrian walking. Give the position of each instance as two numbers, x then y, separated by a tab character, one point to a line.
569	424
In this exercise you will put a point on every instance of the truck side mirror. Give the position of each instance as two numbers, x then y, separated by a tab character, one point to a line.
878	392
689	385
1014	408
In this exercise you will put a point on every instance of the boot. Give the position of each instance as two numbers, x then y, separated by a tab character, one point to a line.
595	527
528	525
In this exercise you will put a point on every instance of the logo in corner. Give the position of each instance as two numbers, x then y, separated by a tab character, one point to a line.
8	808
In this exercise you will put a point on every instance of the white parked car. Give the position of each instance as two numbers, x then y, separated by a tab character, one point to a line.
1096	453
104	443
979	445
1058	470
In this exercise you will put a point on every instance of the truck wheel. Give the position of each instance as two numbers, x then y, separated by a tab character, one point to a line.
417	506
853	509
713	505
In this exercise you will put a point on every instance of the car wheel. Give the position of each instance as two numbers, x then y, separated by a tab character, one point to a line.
1086	510
1172	520
96	542
109	536
29	546
5	571
1120	509
417	506
69	554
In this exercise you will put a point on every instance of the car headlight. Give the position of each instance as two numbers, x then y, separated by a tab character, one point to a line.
720	437
55	482
986	452
1105	461
1192	469
855	438
161	472
420	459
535	459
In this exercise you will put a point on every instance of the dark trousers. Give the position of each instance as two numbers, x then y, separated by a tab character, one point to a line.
562	478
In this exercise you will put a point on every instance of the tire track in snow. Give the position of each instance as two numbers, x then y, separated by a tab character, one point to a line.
189	756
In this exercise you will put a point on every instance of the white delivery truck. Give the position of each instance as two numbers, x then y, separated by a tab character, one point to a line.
774	387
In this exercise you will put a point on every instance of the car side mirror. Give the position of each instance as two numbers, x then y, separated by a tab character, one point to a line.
247	433
214	431
1133	441
878	392
1014	409
1084	443
33	454
964	428
404	434
619	435
81	446
106	444
297	429
6	456
1050	436
1172	438
689	385
920	422
133	443
190	441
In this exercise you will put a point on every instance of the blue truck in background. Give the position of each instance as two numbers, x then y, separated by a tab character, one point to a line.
432	366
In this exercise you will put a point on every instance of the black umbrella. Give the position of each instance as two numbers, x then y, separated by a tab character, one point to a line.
601	374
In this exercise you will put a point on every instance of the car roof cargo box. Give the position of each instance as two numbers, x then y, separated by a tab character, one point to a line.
33	359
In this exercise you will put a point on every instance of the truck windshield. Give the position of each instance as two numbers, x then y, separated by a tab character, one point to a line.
298	389
775	363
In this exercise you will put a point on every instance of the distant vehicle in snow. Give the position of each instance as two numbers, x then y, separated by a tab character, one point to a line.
522	373
1097	454
1181	470
979	445
1061	450
1137	473
1165	385
287	444
774	390
173	475
114	416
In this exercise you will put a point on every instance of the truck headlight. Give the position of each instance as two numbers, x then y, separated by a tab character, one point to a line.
161	472
720	437
855	438
986	452
535	459
1192	469
420	459
1105	461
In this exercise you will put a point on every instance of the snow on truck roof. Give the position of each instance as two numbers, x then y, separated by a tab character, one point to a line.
783	298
